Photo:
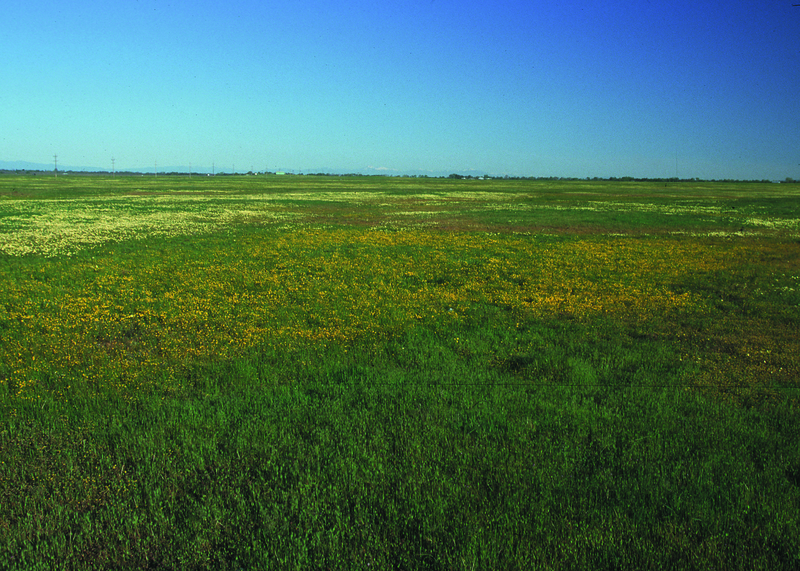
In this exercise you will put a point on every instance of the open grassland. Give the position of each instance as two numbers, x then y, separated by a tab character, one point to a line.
346	373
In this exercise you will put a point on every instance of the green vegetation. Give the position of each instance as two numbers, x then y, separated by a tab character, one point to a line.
352	373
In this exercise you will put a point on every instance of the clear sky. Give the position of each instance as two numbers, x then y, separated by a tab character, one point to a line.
532	88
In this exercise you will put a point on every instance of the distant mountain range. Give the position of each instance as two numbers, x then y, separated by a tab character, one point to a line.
42	167
28	166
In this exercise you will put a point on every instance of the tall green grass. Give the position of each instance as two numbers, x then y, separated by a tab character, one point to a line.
584	451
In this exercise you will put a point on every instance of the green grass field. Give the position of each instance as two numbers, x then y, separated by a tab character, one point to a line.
295	372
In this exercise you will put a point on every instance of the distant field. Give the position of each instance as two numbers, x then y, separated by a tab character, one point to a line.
324	372
57	216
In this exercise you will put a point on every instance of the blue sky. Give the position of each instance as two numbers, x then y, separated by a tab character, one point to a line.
505	87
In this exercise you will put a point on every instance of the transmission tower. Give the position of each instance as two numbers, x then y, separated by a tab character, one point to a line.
55	159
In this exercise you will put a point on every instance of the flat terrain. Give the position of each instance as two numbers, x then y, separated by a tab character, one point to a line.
326	372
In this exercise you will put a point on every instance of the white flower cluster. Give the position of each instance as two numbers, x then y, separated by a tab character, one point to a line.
64	227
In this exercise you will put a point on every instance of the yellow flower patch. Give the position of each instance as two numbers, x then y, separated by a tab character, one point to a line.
135	322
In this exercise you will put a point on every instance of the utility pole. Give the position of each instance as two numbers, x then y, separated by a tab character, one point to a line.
190	170
155	169
113	170
55	158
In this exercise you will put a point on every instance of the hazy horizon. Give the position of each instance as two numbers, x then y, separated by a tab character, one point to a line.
167	170
611	89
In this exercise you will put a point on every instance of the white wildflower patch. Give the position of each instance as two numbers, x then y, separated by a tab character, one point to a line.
64	227
775	223
355	198
502	207
716	234
421	213
608	206
482	195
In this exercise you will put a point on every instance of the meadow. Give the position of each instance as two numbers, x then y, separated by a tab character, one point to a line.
308	372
